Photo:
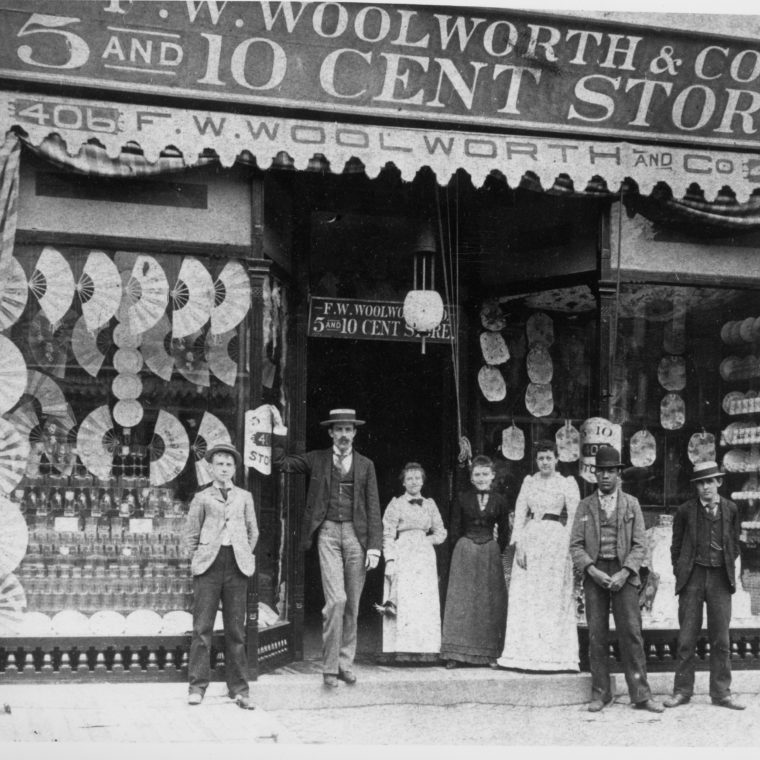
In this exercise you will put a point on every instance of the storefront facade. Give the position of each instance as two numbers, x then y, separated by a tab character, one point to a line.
187	235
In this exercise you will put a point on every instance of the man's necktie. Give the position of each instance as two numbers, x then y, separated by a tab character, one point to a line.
224	492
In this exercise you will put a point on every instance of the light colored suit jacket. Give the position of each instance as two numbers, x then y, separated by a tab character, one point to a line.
205	521
586	535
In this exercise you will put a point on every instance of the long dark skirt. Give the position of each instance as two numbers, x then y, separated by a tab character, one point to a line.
475	616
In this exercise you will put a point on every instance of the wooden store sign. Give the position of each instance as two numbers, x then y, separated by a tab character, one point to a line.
494	67
367	320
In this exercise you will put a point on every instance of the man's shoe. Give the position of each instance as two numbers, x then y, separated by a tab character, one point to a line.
194	698
330	680
347	676
597	705
451	664
243	701
650	706
729	703
676	700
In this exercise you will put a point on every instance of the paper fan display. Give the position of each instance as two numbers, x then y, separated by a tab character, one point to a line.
177	623
513	443
210	432
540	329
14	293
13	378
672	412
99	290
89	348
701	447
52	283
539	364
169	449
494	348
143	623
492	317
154	352
568	440
14	536
70	623
127	413
189	359
221	354
671	373
145	294
12	605
14	455
232	297
192	297
96	442
107	623
492	384
46	391
539	400
24	419
49	343
643	448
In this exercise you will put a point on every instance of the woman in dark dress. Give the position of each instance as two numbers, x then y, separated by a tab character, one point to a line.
475	616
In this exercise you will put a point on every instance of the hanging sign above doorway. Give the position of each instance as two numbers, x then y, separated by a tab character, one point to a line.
367	320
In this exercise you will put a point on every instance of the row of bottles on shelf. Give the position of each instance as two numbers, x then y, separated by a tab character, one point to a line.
101	546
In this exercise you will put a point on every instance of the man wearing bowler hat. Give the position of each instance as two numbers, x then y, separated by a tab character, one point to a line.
220	535
703	551
343	509
607	547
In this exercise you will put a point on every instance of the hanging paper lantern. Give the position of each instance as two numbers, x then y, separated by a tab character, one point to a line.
423	310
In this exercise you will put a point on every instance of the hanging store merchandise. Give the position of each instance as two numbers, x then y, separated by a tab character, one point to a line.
99	290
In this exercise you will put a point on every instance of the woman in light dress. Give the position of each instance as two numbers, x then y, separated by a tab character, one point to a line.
412	526
541	624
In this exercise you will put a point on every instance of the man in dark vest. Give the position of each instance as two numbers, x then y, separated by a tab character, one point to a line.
704	551
607	547
343	509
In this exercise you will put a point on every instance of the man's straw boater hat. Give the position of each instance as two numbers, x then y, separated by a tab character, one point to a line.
342	416
705	471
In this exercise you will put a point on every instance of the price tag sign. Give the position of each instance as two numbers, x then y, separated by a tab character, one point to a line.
141	525
257	452
66	525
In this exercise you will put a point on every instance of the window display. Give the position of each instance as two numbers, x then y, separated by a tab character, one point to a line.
117	371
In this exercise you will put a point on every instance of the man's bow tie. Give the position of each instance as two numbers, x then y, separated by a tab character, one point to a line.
418	502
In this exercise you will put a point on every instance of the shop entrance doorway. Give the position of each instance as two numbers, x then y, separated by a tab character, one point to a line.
407	400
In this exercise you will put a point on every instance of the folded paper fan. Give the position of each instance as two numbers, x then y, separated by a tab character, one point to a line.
14	455
14	536
568	439
494	348
145	294
24	419
192	298
221	363
540	329
513	443
49	343
643	448
14	293
96	442
153	349
188	354
13	378
12	605
539	400
89	348
701	447
169	449
232	297
99	290
492	384
210	432
52	283
672	412
46	391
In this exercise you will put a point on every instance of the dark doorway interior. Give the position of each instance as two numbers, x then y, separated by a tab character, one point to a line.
407	401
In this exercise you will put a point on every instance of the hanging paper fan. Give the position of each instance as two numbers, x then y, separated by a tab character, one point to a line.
232	297
210	432
99	289
46	391
12	605
14	536
189	359
192	298
145	294
90	348
24	419
49	343
14	292
96	442
12	374
52	284
14	454
153	349
221	352
169	449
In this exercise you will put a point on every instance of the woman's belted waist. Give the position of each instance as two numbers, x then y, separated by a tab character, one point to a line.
546	516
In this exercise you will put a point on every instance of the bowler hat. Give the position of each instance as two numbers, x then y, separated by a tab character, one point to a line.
342	416
705	471
224	448
607	456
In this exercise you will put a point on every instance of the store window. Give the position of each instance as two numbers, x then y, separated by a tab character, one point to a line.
119	370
